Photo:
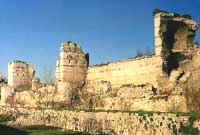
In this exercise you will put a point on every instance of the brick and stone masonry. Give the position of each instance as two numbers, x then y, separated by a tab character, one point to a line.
20	74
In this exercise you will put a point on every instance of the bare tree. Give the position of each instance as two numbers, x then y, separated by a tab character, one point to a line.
139	53
48	75
148	51
3	78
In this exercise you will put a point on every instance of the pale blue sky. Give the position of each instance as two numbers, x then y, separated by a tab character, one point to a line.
32	30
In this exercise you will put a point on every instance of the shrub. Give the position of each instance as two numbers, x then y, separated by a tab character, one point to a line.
6	117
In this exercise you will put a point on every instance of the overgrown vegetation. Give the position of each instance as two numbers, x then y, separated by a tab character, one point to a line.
147	52
39	127
7	117
189	129
5	130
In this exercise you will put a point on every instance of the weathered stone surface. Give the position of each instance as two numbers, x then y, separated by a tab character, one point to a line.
137	71
20	74
99	87
36	84
71	67
116	123
173	32
166	81
72	64
144	97
7	95
64	93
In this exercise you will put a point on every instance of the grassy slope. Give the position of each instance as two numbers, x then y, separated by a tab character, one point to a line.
5	130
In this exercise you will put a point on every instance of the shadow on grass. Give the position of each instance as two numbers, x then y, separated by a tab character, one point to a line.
35	130
5	130
56	132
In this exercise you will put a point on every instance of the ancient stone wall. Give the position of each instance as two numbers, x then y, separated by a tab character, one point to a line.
6	95
111	123
174	37
20	74
137	71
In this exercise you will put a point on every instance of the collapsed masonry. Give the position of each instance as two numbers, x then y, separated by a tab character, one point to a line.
166	81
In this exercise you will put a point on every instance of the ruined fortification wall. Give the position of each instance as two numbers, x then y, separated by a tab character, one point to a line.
111	123
137	71
174	35
173	32
20	73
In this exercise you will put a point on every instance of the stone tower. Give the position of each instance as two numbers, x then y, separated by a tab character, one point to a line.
20	74
173	32
72	64
71	71
174	38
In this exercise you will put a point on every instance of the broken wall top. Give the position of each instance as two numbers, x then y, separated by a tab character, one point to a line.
187	19
173	32
71	47
16	63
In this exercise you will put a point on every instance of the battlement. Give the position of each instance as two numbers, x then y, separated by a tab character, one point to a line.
17	62
71	47
20	64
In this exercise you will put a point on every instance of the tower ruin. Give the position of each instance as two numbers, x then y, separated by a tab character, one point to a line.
173	32
174	38
72	64
71	70
20	74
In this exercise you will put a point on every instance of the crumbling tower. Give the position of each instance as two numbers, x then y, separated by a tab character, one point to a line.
20	74
174	36
71	71
72	64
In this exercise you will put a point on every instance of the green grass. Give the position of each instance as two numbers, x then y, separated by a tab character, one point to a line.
37	130
5	130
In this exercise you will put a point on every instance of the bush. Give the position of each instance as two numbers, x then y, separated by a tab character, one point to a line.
6	117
